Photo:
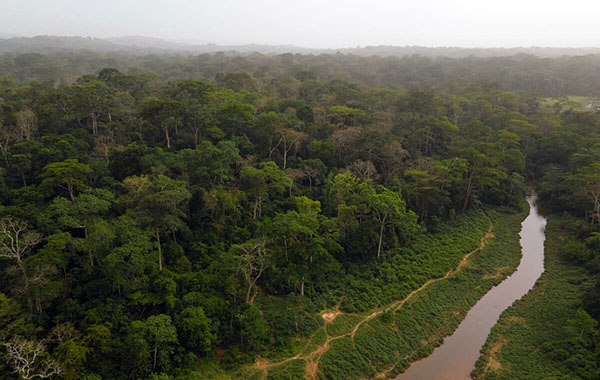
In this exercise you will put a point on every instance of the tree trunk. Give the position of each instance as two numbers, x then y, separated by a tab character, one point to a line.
255	208
381	236
159	249
167	137
155	352
71	192
596	207
196	137
94	123
302	287
466	203
248	293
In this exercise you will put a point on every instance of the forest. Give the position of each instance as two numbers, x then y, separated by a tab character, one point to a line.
189	217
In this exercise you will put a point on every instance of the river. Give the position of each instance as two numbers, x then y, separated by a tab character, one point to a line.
455	359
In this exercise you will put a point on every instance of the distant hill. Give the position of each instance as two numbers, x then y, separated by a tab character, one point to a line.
51	44
145	42
144	45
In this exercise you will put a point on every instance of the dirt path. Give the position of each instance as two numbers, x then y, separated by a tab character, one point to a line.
314	357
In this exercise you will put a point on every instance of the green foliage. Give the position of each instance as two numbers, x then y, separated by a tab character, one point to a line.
157	336
292	370
68	175
343	361
255	332
356	196
576	251
195	329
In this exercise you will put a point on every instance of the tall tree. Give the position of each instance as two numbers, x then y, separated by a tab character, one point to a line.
163	113
307	238
69	175
253	257
158	202
587	180
389	209
16	242
262	182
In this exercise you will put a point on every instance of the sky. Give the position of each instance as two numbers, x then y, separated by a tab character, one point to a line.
316	23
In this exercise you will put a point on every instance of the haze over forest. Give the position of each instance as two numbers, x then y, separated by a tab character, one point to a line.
315	24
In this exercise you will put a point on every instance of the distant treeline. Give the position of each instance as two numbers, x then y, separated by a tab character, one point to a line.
64	63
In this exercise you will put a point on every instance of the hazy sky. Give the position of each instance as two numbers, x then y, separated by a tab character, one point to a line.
317	23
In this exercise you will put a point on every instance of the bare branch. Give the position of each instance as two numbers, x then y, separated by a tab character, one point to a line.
30	359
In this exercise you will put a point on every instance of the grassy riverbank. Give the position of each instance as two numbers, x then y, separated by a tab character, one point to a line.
388	343
376	322
529	340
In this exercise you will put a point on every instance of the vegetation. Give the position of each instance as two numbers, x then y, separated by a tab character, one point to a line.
546	334
282	224
553	331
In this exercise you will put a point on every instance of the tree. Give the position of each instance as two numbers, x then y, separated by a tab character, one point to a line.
390	209
482	171
292	139
255	333
259	183
160	335
195	329
158	203
280	130
199	119
8	135
361	207
92	97
583	323
344	116
16	242
343	139
232	114
164	113
27	123
69	175
210	165
253	257
30	360
308	239
84	212
587	179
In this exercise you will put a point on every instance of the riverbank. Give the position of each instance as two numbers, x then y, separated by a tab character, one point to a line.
456	358
391	344
382	342
453	269
522	345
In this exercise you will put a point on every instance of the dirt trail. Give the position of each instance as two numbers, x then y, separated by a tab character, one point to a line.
314	357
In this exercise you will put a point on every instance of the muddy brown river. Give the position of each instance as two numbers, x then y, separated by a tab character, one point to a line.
455	359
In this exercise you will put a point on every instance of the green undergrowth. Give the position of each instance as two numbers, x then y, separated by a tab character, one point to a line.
292	370
293	319
528	342
343	324
392	340
318	338
346	363
406	269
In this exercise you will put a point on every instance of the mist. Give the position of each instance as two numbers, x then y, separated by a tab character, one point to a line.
314	24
